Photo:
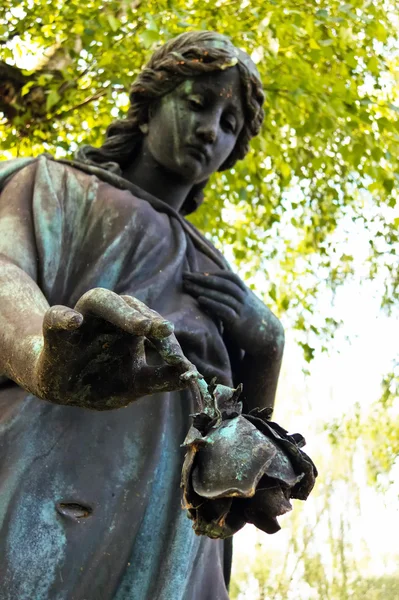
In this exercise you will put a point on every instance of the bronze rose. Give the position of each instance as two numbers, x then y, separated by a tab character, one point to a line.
241	468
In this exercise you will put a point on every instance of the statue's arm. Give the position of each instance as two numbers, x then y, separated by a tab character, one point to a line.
259	373
22	309
22	303
250	325
91	355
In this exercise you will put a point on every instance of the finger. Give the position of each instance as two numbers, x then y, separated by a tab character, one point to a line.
164	378
217	283
163	339
61	318
197	290
172	353
160	327
107	305
226	275
225	313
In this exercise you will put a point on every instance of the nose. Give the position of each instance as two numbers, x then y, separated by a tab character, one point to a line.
207	128
206	134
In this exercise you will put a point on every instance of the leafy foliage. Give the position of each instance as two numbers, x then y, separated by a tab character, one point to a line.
329	145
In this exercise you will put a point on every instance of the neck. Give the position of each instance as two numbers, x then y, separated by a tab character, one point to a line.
145	172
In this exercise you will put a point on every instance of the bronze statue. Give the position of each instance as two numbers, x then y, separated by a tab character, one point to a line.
110	299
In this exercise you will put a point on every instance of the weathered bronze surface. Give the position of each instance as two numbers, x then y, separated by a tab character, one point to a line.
109	299
241	468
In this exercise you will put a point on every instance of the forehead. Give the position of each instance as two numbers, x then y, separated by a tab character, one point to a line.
225	85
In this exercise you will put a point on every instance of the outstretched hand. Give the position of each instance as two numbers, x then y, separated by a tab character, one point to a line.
94	355
248	322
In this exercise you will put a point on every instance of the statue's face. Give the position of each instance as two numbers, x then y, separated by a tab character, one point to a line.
195	127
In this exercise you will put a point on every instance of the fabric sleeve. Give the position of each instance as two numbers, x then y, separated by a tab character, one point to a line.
17	235
43	223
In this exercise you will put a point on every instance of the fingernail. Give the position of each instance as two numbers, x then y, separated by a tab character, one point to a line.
162	328
189	375
75	319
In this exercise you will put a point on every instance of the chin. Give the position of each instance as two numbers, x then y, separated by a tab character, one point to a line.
191	171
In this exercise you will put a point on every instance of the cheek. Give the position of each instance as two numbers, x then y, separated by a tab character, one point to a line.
175	119
168	131
225	148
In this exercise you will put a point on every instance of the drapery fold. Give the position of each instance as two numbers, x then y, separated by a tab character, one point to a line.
73	227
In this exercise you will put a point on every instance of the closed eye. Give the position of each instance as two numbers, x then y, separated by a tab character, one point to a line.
229	123
195	102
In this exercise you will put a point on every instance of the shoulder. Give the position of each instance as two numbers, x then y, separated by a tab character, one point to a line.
41	168
9	168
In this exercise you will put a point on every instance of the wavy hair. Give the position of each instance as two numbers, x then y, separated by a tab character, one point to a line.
187	56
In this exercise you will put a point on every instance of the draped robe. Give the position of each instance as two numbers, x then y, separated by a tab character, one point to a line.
90	505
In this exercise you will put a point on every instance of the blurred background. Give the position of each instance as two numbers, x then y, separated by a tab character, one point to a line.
309	219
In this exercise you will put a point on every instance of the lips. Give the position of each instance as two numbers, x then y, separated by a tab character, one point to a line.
199	151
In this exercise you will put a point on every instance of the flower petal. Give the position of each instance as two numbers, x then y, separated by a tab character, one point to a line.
215	520
190	498
265	506
281	468
232	461
300	461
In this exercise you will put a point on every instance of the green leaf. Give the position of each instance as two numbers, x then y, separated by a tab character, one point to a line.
53	98
27	87
149	37
373	65
313	44
388	185
308	352
113	22
285	170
